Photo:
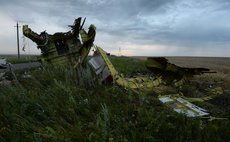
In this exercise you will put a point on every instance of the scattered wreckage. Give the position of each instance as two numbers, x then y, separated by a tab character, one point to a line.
4	68
71	49
3	64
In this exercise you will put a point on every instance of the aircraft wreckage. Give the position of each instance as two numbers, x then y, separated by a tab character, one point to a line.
3	64
72	48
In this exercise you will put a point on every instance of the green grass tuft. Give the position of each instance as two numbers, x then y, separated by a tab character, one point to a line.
53	105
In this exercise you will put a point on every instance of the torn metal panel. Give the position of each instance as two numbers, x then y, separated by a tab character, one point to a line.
100	68
181	105
69	48
161	65
101	64
171	72
3	67
3	64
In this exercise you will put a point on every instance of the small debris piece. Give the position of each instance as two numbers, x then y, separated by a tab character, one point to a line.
3	64
181	105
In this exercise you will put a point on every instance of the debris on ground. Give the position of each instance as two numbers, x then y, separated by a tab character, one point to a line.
181	105
71	50
3	64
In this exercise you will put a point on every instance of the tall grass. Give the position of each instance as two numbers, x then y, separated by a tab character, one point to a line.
53	105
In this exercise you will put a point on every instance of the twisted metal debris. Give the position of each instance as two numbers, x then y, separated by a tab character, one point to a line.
70	49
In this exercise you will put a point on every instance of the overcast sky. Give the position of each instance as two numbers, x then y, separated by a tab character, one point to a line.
136	27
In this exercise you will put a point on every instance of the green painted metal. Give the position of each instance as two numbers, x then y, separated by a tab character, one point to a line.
64	48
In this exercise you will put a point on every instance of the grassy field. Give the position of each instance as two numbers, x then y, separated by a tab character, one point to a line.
13	59
220	65
53	105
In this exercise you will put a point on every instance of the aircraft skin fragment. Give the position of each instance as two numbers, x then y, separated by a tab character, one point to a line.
64	49
3	64
133	83
181	105
175	74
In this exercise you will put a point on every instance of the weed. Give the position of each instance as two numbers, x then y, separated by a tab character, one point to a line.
54	105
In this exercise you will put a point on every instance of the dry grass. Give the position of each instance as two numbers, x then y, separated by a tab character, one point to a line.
221	65
218	64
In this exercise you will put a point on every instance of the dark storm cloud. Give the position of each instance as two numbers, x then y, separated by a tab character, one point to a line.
111	16
111	11
172	23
